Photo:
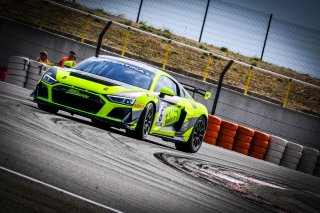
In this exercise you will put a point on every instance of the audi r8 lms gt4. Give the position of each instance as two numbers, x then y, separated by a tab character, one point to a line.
124	93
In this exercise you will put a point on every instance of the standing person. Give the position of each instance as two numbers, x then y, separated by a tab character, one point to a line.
71	57
44	58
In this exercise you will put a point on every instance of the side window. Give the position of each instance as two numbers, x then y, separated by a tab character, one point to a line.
166	82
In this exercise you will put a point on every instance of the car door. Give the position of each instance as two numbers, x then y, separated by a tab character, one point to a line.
169	110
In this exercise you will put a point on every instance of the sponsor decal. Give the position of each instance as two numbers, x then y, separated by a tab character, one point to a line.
76	93
138	106
172	116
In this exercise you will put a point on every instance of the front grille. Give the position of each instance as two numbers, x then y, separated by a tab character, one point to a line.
42	90
119	113
77	99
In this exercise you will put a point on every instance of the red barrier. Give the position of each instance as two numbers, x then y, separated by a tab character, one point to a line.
3	73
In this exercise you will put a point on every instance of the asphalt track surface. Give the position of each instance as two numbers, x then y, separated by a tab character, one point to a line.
61	163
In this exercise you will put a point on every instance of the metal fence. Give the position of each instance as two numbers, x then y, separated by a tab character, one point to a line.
167	53
227	25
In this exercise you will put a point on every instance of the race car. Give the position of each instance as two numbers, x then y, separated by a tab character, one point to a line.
125	93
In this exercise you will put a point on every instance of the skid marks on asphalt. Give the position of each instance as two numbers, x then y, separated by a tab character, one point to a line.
273	196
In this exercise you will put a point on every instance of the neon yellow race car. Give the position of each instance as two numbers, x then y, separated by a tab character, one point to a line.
124	93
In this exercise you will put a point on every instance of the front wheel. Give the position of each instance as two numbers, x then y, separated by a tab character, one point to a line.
195	139
48	108
145	122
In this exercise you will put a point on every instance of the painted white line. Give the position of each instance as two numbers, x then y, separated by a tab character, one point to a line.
61	190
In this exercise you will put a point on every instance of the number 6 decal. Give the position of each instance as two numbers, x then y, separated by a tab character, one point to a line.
162	113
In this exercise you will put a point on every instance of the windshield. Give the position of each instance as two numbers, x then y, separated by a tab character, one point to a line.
118	71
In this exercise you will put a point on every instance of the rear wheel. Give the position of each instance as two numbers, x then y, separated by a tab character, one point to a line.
48	108
195	139
145	122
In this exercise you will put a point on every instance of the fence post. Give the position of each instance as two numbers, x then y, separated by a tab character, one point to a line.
266	37
102	33
209	62
204	20
85	29
246	88
285	100
125	41
168	46
139	11
216	98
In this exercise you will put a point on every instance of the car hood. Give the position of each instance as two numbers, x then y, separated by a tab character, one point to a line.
95	83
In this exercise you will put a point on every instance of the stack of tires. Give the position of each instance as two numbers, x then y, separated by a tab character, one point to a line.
227	134
243	140
17	70
276	149
292	155
308	160
35	72
213	129
259	145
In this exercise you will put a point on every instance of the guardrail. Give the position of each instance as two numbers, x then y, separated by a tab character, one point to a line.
170	42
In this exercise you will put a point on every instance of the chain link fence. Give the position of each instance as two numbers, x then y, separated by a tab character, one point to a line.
134	40
226	25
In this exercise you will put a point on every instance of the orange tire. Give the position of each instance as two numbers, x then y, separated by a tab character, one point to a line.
242	144
243	138
226	145
214	120
228	132
257	155
261	135
240	150
226	139
260	143
210	140
245	131
229	125
213	127
212	134
258	149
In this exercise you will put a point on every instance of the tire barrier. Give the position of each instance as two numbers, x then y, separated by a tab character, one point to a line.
227	134
262	146
17	70
277	146
308	160
35	72
259	145
213	129
292	155
243	140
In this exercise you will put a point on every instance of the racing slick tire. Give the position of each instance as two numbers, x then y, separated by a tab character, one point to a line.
48	108
195	139
145	122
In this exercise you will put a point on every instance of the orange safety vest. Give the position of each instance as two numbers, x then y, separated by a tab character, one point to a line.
64	59
46	61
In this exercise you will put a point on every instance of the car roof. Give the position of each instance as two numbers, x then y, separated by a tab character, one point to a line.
133	62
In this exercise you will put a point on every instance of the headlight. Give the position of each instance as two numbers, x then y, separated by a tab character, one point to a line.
48	79
50	76
121	100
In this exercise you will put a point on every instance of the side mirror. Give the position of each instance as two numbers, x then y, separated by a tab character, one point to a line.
166	91
68	64
207	95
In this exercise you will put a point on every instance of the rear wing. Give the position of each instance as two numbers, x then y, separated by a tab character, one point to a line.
196	90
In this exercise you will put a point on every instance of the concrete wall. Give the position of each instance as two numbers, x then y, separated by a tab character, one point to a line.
20	40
